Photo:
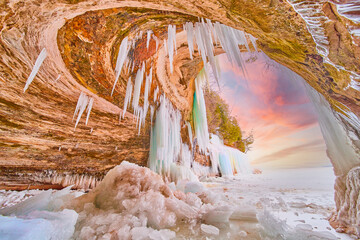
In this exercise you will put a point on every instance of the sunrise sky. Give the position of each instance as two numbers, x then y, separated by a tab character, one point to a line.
286	131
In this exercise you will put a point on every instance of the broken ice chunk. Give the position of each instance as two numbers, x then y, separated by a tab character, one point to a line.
209	229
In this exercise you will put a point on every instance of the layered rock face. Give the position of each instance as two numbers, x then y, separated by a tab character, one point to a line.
82	39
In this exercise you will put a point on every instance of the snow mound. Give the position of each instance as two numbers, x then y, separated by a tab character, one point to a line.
133	202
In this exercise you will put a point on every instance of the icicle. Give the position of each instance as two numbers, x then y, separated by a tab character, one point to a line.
91	102
82	103
127	100
190	133
165	47
137	87
149	32
171	44
190	37
253	41
157	41
156	93
146	94
78	104
40	59
152	109
122	55
58	77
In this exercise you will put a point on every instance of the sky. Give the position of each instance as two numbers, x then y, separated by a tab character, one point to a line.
268	101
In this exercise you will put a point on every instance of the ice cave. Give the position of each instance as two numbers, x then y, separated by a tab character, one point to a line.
177	119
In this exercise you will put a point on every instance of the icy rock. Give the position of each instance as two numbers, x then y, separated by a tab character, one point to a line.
172	186
43	201
219	214
133	202
23	229
244	213
209	229
39	225
143	233
194	187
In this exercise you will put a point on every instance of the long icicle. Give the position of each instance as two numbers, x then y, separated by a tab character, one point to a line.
40	59
122	55
127	100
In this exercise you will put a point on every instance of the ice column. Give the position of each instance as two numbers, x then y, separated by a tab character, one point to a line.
199	114
165	142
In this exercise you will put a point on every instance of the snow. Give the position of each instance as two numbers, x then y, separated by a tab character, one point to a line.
40	59
133	202
280	202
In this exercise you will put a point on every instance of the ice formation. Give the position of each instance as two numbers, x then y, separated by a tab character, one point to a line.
273	228
137	87
127	100
188	27
165	142
122	55
40	59
229	160
83	102
39	217
171	44
133	202
148	38
199	114
78	181
314	17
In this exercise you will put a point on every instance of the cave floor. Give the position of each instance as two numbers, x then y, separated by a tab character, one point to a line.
295	199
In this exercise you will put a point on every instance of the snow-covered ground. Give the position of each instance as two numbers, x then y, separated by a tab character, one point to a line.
297	197
281	204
